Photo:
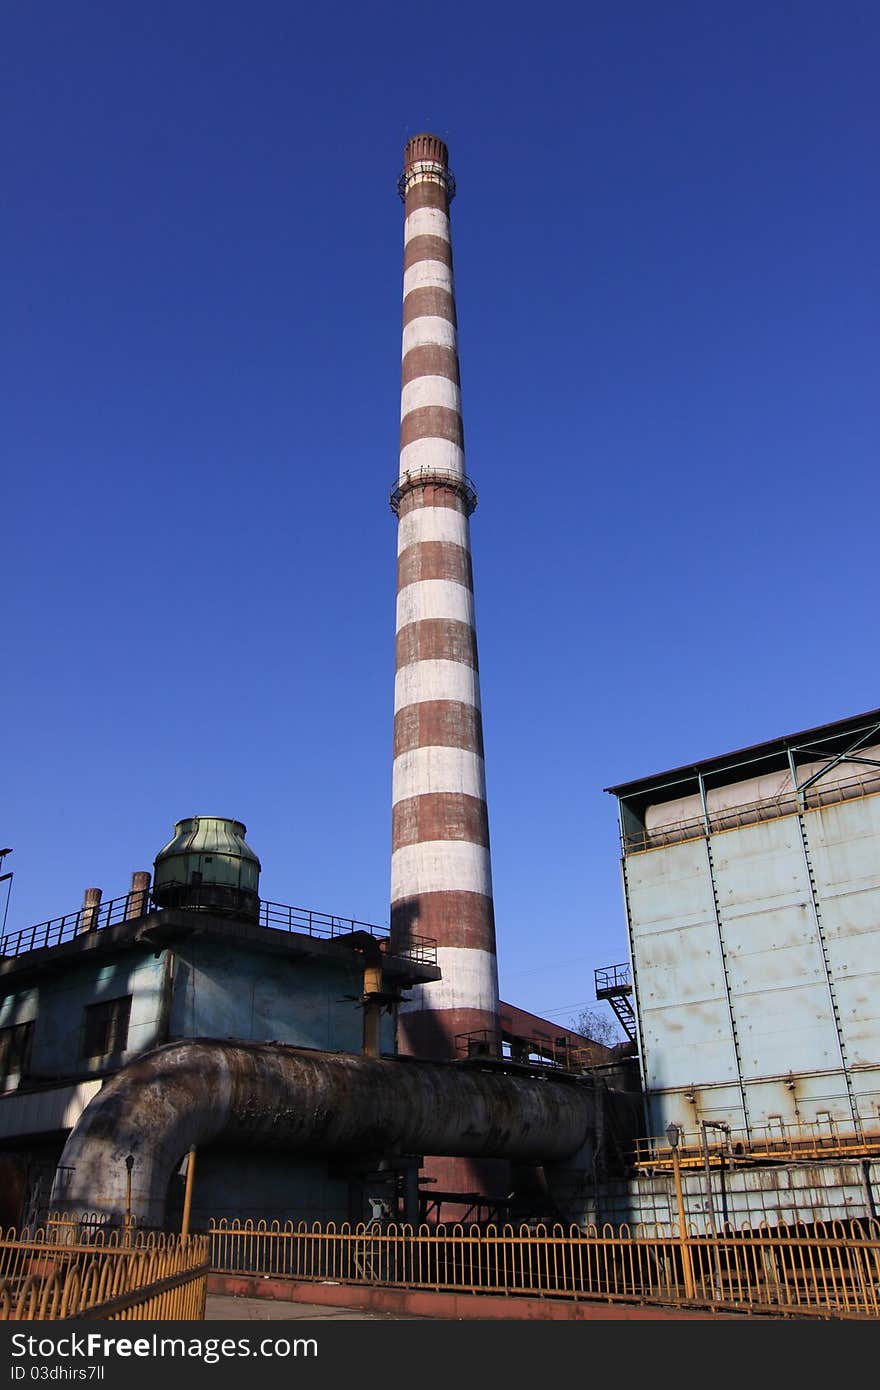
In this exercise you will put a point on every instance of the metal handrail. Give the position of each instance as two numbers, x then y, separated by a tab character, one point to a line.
562	1054
438	477
612	977
277	916
89	918
788	803
792	1141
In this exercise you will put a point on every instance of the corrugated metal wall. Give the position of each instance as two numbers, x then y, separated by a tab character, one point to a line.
756	962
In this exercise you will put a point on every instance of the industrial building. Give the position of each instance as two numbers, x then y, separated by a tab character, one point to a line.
197	956
190	1014
308	1066
752	893
195	1015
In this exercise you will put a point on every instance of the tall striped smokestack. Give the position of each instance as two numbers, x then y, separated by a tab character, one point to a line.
441	880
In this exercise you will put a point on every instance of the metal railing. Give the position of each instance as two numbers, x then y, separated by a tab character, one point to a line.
612	977
560	1053
277	916
781	1141
427	476
422	949
831	1271
93	917
69	1269
752	813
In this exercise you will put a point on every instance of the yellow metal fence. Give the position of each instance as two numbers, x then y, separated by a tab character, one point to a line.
75	1269
68	1269
826	1270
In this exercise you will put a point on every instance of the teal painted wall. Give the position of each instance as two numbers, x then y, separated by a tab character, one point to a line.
222	992
56	1004
218	992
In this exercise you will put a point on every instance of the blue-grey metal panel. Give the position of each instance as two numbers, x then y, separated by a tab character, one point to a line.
225	992
689	1105
774	960
47	1110
865	1083
18	1007
844	843
801	1098
808	1192
685	1024
58	1001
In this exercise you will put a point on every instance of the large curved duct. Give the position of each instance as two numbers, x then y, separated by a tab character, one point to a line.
194	1092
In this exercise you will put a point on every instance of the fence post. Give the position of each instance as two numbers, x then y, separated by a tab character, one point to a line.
187	1196
673	1134
129	1164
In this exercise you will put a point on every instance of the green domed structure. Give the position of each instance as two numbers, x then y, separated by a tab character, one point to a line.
208	866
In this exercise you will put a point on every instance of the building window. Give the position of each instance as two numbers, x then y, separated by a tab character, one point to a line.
105	1027
15	1049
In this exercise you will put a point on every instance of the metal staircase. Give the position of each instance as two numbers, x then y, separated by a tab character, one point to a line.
614	984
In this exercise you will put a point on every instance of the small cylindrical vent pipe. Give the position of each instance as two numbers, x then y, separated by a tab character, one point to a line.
137	897
88	918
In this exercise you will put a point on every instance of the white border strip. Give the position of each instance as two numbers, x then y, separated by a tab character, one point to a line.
439	524
429	390
426	222
428	275
470	981
429	330
436	680
432	453
421	771
435	598
440	866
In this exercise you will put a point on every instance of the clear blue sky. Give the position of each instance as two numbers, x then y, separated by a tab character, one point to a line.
666	257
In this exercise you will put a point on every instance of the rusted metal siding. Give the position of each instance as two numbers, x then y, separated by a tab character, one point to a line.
783	1192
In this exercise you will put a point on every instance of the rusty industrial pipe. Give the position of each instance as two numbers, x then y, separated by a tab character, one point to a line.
330	1103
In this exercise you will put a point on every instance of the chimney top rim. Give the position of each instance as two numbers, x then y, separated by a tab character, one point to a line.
425	145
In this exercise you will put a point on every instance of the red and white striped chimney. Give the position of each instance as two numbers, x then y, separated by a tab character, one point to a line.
441	879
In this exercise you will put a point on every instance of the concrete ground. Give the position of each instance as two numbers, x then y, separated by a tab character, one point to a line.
228	1308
